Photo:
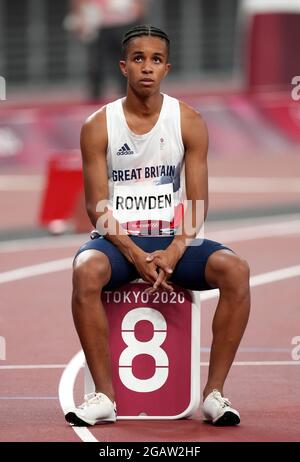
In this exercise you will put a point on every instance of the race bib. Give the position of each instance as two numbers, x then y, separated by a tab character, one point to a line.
143	202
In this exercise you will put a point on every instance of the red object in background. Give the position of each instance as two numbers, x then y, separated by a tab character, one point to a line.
265	50
285	116
63	189
273	50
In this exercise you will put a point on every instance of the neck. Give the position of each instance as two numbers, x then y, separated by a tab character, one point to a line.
143	105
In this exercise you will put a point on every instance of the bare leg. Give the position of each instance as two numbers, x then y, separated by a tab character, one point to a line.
230	274
91	273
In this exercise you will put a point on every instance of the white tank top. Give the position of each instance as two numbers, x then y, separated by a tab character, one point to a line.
146	172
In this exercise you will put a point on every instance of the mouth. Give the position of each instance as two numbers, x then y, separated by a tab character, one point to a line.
146	81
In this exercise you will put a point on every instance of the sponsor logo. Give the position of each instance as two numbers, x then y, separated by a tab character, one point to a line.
125	150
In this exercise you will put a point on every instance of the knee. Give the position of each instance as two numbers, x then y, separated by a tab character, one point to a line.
229	271
90	274
237	270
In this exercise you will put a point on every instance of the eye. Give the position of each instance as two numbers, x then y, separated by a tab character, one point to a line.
156	59
138	59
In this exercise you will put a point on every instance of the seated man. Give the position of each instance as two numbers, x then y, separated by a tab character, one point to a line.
135	152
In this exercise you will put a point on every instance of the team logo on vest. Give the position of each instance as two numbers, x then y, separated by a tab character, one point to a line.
124	150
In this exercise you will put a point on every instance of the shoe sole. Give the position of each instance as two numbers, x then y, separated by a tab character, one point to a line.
73	419
227	419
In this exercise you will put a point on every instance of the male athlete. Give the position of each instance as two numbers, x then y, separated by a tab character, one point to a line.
149	141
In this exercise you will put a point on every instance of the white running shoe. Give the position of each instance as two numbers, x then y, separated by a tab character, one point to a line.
217	410
97	408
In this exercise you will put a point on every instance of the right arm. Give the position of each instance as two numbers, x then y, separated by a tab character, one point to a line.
93	142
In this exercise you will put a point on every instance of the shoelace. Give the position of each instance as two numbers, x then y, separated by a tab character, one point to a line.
223	401
91	398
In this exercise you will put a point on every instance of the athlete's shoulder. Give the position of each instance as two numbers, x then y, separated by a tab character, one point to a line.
192	123
190	114
96	118
93	136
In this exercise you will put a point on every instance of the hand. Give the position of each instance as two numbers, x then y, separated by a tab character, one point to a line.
165	261
147	270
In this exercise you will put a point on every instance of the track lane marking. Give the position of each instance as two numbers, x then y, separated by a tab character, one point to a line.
66	385
260	279
205	363
32	366
217	184
246	229
36	270
70	373
27	397
66	400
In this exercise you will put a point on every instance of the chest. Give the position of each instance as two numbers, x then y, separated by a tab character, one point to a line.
141	125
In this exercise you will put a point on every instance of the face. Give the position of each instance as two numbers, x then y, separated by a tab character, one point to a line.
146	64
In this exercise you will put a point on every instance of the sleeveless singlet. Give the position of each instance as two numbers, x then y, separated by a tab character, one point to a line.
146	172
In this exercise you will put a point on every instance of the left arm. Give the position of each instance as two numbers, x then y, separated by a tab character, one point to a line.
195	139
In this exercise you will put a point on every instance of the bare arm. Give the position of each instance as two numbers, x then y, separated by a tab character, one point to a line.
195	139
93	143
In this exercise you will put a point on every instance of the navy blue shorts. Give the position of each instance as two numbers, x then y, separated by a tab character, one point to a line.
188	273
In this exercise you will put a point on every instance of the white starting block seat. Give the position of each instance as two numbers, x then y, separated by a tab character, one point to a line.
155	351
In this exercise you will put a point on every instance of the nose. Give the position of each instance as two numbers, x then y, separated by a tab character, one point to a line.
147	68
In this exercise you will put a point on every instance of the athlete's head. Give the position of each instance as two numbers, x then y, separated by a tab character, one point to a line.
145	58
144	30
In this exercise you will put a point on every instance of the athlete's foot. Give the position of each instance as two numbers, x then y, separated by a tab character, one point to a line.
97	408
217	410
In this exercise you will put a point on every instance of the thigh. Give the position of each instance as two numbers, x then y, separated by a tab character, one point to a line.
122	271
190	270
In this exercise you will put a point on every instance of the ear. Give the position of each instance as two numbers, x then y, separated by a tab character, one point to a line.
123	68
168	68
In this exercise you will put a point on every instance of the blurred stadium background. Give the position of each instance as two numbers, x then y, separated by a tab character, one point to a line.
235	61
37	54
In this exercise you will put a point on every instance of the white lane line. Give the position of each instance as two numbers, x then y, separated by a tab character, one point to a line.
68	378
66	263
85	435
257	228
235	235
27	397
251	221
260	279
22	182
217	184
33	366
260	363
47	242
69	375
65	393
236	363
254	349
255	185
256	232
36	270
71	371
